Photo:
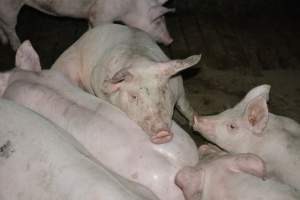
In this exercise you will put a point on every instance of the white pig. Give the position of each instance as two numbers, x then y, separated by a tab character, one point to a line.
147	15
126	68
101	128
40	161
249	127
221	176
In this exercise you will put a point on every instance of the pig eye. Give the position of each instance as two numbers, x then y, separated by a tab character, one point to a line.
232	126
133	97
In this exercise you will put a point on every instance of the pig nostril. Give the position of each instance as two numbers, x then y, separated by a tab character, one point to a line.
161	137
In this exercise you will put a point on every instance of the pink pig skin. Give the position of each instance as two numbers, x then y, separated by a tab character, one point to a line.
41	161
104	130
249	127
147	15
223	176
126	68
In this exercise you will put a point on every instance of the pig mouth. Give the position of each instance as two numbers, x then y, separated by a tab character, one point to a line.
161	137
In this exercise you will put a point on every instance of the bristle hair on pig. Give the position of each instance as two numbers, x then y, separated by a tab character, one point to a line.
147	15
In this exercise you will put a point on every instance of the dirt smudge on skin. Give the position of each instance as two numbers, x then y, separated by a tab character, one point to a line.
6	150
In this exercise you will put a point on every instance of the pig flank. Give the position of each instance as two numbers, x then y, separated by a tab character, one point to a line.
146	15
126	68
249	127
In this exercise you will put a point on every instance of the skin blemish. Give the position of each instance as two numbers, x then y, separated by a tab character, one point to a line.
6	150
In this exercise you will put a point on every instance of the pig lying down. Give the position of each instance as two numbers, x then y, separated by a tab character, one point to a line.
126	68
102	129
40	161
249	127
147	15
221	176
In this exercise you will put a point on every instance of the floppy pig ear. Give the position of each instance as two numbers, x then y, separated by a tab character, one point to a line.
161	2
248	163
27	58
256	115
172	67
114	84
158	11
189	180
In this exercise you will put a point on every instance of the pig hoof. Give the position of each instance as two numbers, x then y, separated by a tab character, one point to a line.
161	137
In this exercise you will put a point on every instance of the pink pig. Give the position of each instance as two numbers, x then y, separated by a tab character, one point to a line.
126	68
250	128
222	176
147	15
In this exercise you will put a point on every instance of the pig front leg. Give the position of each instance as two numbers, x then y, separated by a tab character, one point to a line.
8	20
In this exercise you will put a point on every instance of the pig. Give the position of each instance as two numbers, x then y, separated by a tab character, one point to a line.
220	175
147	15
39	160
126	68
104	130
248	127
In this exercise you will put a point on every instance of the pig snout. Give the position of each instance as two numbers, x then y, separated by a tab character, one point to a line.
167	40
162	136
203	125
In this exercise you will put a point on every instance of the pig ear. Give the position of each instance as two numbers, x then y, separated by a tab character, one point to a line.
248	163
4	77
113	84
190	181
158	11
161	2
172	67
256	115
210	149
262	90
27	58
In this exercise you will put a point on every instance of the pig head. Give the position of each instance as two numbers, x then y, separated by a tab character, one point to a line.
250	127
143	92
235	128
125	67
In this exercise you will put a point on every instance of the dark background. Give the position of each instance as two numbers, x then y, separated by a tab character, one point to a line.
243	43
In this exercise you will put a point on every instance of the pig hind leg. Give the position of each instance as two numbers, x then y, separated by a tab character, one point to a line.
8	20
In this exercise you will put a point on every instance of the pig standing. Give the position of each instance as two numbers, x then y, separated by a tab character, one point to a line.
102	129
147	15
219	175
40	161
249	127
126	68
